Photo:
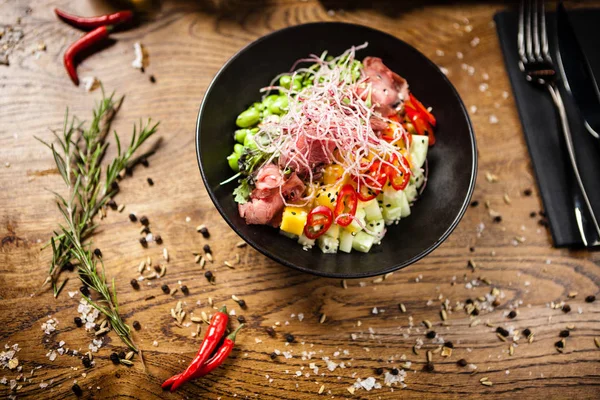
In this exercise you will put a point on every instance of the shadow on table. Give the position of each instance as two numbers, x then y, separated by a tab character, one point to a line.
233	9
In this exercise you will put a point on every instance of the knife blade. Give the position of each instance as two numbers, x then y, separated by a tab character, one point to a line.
577	73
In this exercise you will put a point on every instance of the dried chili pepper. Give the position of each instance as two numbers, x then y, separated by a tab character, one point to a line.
88	23
88	40
215	361
213	335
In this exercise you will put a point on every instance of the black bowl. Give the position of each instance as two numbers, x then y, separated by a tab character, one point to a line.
452	161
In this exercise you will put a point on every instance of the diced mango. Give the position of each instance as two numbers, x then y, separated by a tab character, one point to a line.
293	220
332	173
326	196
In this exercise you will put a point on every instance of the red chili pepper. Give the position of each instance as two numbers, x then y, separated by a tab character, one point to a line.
213	335
421	125
320	216
88	23
400	180
215	361
88	40
364	192
347	201
422	110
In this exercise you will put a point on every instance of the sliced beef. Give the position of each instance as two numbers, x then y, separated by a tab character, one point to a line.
388	88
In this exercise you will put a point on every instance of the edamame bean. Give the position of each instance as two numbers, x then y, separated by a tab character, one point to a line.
238	148
233	159
270	100
248	118
240	135
249	141
285	81
279	106
297	82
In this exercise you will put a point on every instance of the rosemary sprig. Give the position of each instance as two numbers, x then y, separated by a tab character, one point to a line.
79	163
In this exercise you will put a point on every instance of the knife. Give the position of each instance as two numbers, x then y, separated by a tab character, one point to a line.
577	74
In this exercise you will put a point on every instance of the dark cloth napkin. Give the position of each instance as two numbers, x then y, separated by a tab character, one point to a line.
541	125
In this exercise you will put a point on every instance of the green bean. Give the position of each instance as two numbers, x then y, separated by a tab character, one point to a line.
240	135
285	81
248	118
238	148
233	159
279	106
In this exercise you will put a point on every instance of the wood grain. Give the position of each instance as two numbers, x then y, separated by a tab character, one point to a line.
188	41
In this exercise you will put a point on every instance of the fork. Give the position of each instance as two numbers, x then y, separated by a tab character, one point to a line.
539	69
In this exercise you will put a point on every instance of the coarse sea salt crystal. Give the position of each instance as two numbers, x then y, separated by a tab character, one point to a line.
473	109
493	119
368	383
300	316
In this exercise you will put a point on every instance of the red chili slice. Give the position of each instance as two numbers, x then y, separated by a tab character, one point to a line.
422	110
421	125
320	216
364	192
347	201
399	181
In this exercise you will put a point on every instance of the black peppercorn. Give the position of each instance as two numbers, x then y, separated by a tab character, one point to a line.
564	333
185	290
132	217
449	345
68	266
430	335
394	371
165	289
150	181
112	204
502	331
428	367
136	325
115	187
566	308
532	214
86	362
85	291
527	192
122	355
209	275
77	390
273	355
152	79
474	203
158	239
270	331
78	322
135	284
526	332
204	232
379	371
290	338
560	344
242	303
143	242
157	268
512	314
97	253
207	249
590	299
462	362
144	220
471	249
497	219
241	319
469	301
475	312
114	357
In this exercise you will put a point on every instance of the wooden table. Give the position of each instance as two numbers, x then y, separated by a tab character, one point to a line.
187	42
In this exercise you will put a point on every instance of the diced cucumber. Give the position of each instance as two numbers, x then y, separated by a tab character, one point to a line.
356	226
418	150
404	206
372	210
327	244
333	231
346	238
363	242
290	235
411	192
306	242
418	177
392	214
395	205
376	226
